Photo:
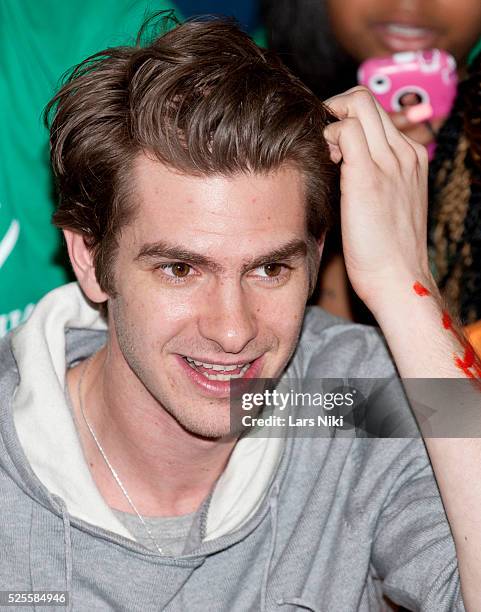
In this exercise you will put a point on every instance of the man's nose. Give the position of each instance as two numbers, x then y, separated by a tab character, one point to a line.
229	317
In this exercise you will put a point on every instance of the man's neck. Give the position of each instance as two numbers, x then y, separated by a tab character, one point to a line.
165	470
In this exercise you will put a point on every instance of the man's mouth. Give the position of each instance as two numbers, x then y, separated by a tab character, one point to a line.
220	380
218	371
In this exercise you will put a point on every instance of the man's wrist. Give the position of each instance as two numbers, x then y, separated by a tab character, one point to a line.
401	293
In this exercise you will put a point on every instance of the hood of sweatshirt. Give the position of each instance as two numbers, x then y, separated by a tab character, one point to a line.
48	436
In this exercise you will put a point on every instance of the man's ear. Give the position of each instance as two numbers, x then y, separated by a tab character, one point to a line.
83	266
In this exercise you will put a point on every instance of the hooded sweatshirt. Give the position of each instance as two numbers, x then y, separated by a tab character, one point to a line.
293	523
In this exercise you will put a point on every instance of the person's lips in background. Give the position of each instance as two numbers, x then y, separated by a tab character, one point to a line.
395	36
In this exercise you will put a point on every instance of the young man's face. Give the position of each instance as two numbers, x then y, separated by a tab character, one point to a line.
212	278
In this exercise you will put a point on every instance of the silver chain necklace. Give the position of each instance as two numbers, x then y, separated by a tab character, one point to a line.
109	465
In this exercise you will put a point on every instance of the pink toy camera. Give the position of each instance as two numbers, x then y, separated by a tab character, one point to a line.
412	77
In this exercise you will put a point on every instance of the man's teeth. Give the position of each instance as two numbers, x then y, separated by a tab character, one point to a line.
408	31
215	367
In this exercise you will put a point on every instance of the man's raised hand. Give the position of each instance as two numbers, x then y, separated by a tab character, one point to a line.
383	197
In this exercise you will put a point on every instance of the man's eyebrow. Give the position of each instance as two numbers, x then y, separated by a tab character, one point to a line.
291	250
159	250
162	250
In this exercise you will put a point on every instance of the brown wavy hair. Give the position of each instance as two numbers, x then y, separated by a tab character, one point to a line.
455	207
201	98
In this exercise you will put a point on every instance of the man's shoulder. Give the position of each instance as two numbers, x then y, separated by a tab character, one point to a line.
331	346
317	320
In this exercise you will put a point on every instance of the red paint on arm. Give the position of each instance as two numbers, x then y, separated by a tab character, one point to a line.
469	356
448	324
447	321
470	361
420	289
459	363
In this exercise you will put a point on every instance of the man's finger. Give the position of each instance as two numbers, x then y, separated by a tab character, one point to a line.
348	137
358	103
402	146
399	146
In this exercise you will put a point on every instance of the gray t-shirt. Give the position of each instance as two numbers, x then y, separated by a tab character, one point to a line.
169	532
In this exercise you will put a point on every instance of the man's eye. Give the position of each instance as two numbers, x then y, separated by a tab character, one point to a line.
271	270
178	269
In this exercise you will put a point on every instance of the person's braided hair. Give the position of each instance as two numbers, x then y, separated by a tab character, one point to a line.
455	206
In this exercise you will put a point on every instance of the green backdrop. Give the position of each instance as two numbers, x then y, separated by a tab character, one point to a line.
39	41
